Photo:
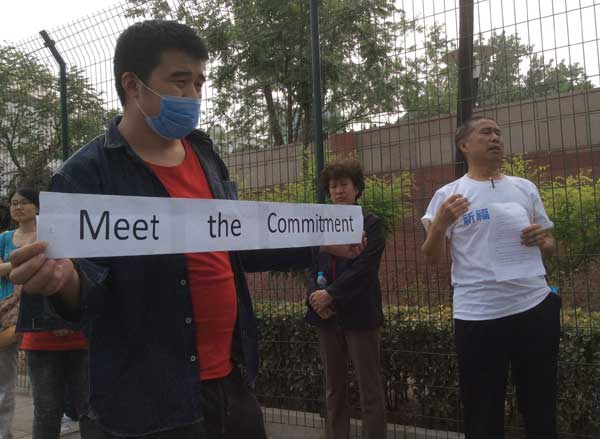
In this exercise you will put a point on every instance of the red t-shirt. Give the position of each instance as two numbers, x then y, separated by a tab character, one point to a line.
48	341
211	278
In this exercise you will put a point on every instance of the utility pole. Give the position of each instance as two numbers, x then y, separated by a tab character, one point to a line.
316	86
464	108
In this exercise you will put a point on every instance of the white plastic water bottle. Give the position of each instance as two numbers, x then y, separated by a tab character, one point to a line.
321	280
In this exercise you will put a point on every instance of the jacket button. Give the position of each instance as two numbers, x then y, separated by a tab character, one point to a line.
182	282
188	320
192	358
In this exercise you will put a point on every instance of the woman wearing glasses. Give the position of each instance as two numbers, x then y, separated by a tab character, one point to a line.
23	209
56	353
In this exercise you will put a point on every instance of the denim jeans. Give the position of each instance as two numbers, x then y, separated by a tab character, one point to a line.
51	372
8	381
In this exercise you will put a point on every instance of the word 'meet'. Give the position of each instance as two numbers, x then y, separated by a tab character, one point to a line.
121	229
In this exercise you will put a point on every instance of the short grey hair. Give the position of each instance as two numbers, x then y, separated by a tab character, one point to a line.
466	129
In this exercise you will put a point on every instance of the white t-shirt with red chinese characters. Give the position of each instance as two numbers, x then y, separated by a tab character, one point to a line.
477	293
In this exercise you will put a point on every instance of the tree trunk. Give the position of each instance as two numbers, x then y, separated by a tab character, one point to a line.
297	124
13	157
273	120
10	144
306	139
290	115
306	126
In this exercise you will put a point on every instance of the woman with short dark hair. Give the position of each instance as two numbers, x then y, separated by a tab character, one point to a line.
344	303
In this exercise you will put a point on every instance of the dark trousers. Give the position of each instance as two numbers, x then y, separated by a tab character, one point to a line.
70	408
527	343
51	372
231	411
362	348
93	431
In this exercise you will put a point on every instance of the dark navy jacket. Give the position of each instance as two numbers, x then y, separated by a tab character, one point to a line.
137	311
355	290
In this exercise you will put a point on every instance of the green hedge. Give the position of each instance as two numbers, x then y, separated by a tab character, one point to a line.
419	367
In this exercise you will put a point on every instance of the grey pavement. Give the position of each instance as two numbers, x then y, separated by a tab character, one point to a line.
23	422
281	424
24	418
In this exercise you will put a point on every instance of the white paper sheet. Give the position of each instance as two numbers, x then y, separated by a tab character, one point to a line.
82	225
512	260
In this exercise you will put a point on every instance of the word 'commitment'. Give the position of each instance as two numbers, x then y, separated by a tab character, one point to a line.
318	224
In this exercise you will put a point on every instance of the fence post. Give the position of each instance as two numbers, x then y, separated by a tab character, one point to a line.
316	86
464	108
64	114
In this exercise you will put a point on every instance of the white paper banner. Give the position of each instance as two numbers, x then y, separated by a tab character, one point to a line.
82	225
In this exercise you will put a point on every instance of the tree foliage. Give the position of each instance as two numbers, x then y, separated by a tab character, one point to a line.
514	72
30	117
262	66
572	204
262	61
429	84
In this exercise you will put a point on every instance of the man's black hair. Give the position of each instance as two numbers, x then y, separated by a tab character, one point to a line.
140	47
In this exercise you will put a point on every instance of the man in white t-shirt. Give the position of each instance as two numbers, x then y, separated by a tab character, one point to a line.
504	311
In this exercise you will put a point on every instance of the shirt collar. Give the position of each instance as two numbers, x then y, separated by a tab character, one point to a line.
113	138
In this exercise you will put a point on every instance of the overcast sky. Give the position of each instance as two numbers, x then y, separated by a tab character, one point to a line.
548	24
23	18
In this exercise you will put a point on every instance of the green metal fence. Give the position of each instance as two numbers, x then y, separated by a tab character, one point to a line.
390	88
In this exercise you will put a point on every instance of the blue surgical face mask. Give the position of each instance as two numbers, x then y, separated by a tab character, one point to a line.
176	118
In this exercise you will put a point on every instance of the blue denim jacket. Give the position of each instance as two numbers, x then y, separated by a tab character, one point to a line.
137	311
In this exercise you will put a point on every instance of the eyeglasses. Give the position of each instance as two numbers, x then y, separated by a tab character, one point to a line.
21	203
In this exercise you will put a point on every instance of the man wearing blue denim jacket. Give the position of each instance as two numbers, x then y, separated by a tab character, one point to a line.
141	313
